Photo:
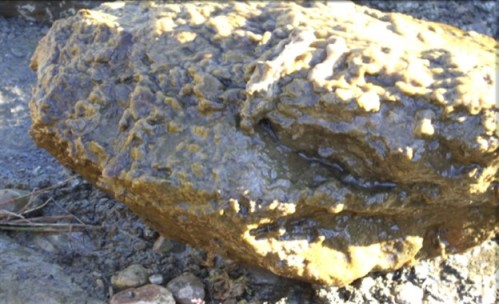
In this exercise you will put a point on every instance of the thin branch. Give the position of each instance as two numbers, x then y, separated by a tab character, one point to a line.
74	216
43	189
43	219
46	227
9	214
26	212
18	221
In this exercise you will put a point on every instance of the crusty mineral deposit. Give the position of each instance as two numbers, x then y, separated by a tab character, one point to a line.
322	141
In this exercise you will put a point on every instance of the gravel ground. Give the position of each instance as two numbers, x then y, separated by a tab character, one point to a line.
478	16
91	258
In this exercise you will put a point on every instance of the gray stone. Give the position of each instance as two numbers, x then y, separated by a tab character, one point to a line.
27	278
440	292
366	284
61	242
408	293
13	200
187	288
162	246
133	276
422	271
148	294
279	134
262	276
223	287
156	279
17	52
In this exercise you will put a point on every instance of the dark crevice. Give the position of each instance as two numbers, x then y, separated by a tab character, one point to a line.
266	125
337	171
237	121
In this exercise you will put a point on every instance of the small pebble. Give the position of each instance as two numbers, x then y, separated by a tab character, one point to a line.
421	271
162	245
149	233
187	288
148	294
17	52
262	276
133	276
408	293
139	246
13	200
156	279
366	284
44	244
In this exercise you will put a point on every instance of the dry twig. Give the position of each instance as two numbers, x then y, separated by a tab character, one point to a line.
20	220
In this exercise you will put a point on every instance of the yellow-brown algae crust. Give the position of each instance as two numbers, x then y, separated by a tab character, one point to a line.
320	142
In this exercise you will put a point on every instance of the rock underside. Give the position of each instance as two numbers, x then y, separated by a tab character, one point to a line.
320	141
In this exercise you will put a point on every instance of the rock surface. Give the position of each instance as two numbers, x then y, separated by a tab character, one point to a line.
187	289
148	294
315	149
133	276
27	277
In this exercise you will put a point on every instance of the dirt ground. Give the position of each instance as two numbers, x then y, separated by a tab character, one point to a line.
115	238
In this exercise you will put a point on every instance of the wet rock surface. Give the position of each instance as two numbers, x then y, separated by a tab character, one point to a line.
316	150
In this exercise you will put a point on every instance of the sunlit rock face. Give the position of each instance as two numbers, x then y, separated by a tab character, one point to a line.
322	141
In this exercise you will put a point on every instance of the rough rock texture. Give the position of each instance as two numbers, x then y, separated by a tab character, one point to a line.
322	142
27	277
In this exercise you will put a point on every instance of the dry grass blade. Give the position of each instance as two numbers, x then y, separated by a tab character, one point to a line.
43	189
25	211
9	214
45	227
19	221
42	219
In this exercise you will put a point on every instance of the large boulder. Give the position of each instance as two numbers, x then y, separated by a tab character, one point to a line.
320	141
